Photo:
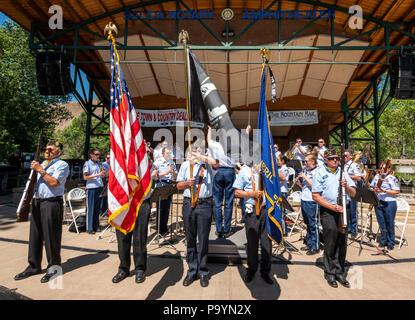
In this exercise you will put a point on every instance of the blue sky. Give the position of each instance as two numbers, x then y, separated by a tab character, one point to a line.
3	18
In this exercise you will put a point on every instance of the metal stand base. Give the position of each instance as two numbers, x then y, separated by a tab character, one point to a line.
158	234
384	252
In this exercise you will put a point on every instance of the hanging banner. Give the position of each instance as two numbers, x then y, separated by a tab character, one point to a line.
164	118
293	118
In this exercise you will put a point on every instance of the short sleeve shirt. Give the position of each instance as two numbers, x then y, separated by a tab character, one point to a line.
327	183
59	170
352	168
389	183
92	168
306	194
162	165
207	181
298	155
219	154
284	184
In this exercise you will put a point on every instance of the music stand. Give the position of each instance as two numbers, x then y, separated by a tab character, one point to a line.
295	164
286	245
158	194
365	195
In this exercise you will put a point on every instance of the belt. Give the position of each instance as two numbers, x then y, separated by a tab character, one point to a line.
166	181
226	168
53	199
200	200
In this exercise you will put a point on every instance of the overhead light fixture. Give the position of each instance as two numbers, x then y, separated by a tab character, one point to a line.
231	33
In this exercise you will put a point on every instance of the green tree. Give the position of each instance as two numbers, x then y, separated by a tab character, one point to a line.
396	132
23	111
73	138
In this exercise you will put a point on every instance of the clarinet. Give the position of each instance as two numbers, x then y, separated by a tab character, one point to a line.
341	200
29	190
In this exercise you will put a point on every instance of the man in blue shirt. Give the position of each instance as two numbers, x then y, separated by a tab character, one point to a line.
246	186
93	173
47	212
223	188
325	191
197	216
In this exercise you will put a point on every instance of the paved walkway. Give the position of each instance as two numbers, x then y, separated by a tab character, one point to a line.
90	264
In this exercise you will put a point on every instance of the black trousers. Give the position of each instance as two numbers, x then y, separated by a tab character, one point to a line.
45	226
197	224
139	240
335	242
256	231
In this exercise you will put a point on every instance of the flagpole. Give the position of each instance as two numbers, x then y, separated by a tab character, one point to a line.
184	37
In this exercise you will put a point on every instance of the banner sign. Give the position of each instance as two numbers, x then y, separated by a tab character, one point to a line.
164	118
293	118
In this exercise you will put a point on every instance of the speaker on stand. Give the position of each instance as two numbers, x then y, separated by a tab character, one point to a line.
53	72
403	76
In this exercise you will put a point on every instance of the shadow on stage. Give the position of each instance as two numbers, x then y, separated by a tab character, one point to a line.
261	290
84	260
174	273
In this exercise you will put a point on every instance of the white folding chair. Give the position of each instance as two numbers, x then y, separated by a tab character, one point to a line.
76	195
402	205
295	198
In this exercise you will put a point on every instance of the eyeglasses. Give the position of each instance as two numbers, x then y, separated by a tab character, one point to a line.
321	142
97	154
49	150
334	158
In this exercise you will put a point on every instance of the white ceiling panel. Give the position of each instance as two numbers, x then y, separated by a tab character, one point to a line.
323	80
332	91
312	87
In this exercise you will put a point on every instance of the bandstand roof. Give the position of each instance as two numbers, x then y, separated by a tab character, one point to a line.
306	79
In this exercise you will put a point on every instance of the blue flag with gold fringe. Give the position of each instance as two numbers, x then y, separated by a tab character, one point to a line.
269	169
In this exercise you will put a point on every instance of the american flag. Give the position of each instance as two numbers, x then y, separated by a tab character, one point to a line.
129	177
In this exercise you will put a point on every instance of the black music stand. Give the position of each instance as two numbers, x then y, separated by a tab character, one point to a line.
286	245
297	165
365	195
158	194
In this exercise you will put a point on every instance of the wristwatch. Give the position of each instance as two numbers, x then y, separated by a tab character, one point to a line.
43	174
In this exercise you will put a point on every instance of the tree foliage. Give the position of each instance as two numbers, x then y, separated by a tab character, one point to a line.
396	132
73	138
23	111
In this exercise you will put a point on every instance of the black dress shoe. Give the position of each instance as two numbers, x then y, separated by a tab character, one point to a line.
219	234
47	277
188	281
90	232
120	276
249	276
306	248
311	252
140	276
267	278
331	280
227	234
204	280
343	281
25	274
390	248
